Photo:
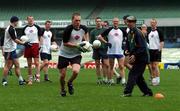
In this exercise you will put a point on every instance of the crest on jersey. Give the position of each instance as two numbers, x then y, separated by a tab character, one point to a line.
116	34
31	31
76	37
152	35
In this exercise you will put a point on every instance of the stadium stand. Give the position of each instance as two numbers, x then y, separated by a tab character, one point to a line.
63	9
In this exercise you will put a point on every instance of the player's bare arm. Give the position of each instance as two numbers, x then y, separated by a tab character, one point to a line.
102	39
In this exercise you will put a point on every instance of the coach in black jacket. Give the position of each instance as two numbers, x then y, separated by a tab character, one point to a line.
139	57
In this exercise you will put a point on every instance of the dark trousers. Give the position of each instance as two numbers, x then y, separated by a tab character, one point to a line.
136	77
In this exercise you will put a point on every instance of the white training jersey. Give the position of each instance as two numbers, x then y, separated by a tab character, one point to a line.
154	39
115	37
47	39
9	37
33	33
74	36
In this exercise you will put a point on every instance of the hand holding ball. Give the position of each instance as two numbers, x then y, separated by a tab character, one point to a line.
24	38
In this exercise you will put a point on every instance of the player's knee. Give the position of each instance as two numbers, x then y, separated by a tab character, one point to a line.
106	65
75	71
62	73
98	66
121	67
111	68
17	66
46	63
154	66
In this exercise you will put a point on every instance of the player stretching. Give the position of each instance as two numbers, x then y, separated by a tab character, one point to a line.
9	48
100	54
156	44
115	38
33	32
70	53
45	52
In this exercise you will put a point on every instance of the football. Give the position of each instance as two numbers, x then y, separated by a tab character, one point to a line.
96	44
24	38
54	48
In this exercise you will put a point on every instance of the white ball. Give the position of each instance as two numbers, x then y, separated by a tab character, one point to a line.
96	44
24	38
87	46
54	48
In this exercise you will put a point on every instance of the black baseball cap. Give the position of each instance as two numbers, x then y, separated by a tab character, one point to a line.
14	19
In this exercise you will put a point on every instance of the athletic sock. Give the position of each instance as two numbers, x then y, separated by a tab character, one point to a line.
30	77
99	78
46	76
20	78
4	79
158	79
123	80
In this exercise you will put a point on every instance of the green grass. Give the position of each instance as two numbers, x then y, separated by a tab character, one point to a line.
88	96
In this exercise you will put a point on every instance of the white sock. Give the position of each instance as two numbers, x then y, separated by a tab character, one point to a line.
116	73
112	81
123	80
158	79
20	78
154	81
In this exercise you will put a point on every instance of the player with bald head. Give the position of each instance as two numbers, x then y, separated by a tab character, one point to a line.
115	38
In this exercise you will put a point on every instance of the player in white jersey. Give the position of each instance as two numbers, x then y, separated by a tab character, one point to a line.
156	44
9	50
45	51
70	53
115	38
34	33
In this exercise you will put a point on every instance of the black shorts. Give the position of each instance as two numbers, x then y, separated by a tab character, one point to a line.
10	55
63	62
155	55
45	56
100	54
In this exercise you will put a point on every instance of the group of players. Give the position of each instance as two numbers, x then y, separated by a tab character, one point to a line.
130	46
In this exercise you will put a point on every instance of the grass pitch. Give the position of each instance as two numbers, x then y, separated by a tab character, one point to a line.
88	96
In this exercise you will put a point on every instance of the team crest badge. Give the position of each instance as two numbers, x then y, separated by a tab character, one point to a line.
77	37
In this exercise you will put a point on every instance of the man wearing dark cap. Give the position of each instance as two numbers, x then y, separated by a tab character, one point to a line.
138	56
9	48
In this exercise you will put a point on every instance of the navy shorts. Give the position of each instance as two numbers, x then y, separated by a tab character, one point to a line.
100	54
117	56
10	55
155	55
45	56
63	62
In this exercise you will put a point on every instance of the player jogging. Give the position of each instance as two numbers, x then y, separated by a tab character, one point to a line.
45	51
70	53
115	37
9	48
33	32
156	44
100	54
